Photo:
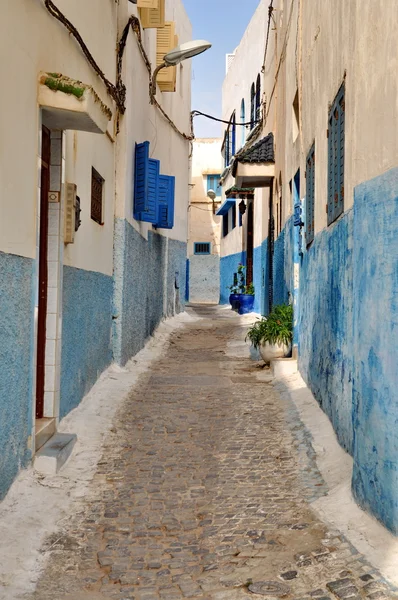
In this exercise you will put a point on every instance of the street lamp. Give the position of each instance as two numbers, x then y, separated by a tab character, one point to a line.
180	53
212	195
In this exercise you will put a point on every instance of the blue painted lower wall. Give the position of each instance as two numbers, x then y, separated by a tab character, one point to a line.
375	265
145	272
325	324
280	291
228	266
86	333
16	366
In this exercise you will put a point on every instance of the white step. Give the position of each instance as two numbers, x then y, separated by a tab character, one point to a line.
283	367
54	453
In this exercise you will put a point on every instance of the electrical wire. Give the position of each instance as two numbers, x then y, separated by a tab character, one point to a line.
270	11
198	113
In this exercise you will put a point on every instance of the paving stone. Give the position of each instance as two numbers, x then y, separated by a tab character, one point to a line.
204	488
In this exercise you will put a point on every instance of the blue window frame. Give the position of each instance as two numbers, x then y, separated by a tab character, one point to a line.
201	248
336	143
310	196
213	183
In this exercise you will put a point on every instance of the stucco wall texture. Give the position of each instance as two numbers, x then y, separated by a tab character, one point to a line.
86	333
145	277
375	406
325	325
16	351
204	280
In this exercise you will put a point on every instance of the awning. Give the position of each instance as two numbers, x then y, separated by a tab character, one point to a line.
255	167
71	104
225	206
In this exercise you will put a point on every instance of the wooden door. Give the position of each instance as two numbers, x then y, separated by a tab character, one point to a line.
250	245
43	272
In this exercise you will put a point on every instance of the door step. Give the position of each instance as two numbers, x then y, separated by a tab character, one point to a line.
54	453
45	429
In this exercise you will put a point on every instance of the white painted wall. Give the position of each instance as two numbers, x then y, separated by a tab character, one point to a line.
335	40
47	46
243	71
144	122
204	225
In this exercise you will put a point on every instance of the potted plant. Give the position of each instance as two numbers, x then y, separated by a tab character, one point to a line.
273	335
246	300
234	297
237	288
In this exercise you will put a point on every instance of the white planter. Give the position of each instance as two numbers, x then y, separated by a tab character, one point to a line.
271	351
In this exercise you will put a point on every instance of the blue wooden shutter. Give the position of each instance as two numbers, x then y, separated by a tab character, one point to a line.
146	183
341	143
336	153
141	179
165	218
310	195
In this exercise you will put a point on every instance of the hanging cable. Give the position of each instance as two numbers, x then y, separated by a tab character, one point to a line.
270	12
197	113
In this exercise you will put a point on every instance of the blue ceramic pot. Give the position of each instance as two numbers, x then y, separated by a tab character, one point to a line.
246	303
234	301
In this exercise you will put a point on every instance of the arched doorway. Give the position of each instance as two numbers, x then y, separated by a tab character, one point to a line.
249	244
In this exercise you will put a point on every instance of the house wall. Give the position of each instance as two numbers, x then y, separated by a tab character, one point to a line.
162	252
204	225
243	71
48	47
347	276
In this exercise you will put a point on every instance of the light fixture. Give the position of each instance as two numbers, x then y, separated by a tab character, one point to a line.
180	53
212	195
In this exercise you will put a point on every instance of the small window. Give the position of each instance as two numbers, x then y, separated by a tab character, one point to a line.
229	145
201	248
240	219
225	224
233	211
97	186
213	183
336	150
310	196
258	98
252	105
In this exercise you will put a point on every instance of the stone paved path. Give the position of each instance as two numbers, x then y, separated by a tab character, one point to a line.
204	490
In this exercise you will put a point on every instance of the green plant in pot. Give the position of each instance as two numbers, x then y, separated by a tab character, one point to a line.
273	335
238	287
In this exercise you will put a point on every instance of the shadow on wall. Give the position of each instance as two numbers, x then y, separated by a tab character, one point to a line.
149	284
86	333
16	368
375	406
326	335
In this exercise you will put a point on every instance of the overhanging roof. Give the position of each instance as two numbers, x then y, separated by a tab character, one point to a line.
225	206
255	166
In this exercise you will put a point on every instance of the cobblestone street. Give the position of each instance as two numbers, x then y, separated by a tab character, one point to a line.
204	490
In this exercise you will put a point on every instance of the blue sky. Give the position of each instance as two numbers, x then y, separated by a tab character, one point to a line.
221	22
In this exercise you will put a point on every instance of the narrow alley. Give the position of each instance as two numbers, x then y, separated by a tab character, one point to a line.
204	490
